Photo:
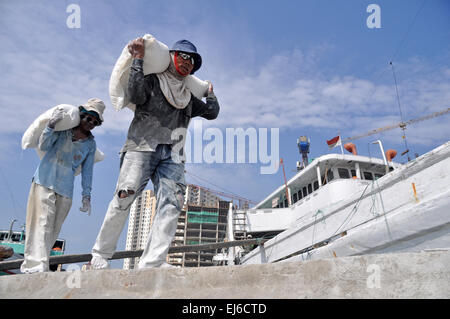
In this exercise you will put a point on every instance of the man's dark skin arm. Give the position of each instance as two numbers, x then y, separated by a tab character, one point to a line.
136	88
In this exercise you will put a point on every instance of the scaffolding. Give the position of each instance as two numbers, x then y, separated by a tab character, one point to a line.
240	224
199	225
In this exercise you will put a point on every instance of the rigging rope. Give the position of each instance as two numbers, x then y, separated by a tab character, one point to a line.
397	50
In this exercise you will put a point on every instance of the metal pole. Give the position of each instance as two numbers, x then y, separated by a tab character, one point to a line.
70	259
384	155
285	183
230	230
10	229
340	141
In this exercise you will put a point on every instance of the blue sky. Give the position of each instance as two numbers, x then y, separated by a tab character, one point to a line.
305	67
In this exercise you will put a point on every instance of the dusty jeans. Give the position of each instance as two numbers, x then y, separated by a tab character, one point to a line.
46	212
167	174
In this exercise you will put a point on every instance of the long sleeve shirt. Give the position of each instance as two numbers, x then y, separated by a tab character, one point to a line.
155	120
57	168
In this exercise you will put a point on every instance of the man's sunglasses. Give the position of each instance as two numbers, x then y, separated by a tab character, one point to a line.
186	56
90	119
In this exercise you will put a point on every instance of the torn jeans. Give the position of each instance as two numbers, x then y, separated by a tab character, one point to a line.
166	170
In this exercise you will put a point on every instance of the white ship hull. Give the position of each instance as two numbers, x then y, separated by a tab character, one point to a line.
406	210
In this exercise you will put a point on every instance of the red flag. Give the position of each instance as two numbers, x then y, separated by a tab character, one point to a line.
335	141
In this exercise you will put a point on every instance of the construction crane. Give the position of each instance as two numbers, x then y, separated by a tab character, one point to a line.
401	125
223	194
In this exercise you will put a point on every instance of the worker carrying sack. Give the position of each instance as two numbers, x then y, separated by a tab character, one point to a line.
71	119
156	60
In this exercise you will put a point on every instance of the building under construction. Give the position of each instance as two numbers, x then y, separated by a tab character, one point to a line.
199	225
203	220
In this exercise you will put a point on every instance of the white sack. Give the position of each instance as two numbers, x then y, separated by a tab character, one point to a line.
156	60
71	119
196	86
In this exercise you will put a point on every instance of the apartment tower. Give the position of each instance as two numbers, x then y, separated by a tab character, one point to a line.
141	218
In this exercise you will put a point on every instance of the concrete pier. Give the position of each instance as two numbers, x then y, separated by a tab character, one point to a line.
401	275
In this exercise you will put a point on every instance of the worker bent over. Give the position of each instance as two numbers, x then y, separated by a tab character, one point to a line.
51	191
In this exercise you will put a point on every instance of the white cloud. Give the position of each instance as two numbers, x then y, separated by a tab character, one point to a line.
289	90
282	96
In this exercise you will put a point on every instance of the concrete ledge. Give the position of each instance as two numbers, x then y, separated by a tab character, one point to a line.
405	275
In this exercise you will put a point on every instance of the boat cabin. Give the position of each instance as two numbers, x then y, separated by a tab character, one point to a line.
326	169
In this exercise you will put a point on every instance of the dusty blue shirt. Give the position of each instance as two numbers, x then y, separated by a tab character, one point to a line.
57	168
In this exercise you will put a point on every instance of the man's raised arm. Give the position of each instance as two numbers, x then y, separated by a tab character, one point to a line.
136	90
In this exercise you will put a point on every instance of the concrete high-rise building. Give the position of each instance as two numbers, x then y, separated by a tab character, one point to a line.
200	225
142	213
202	220
196	195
